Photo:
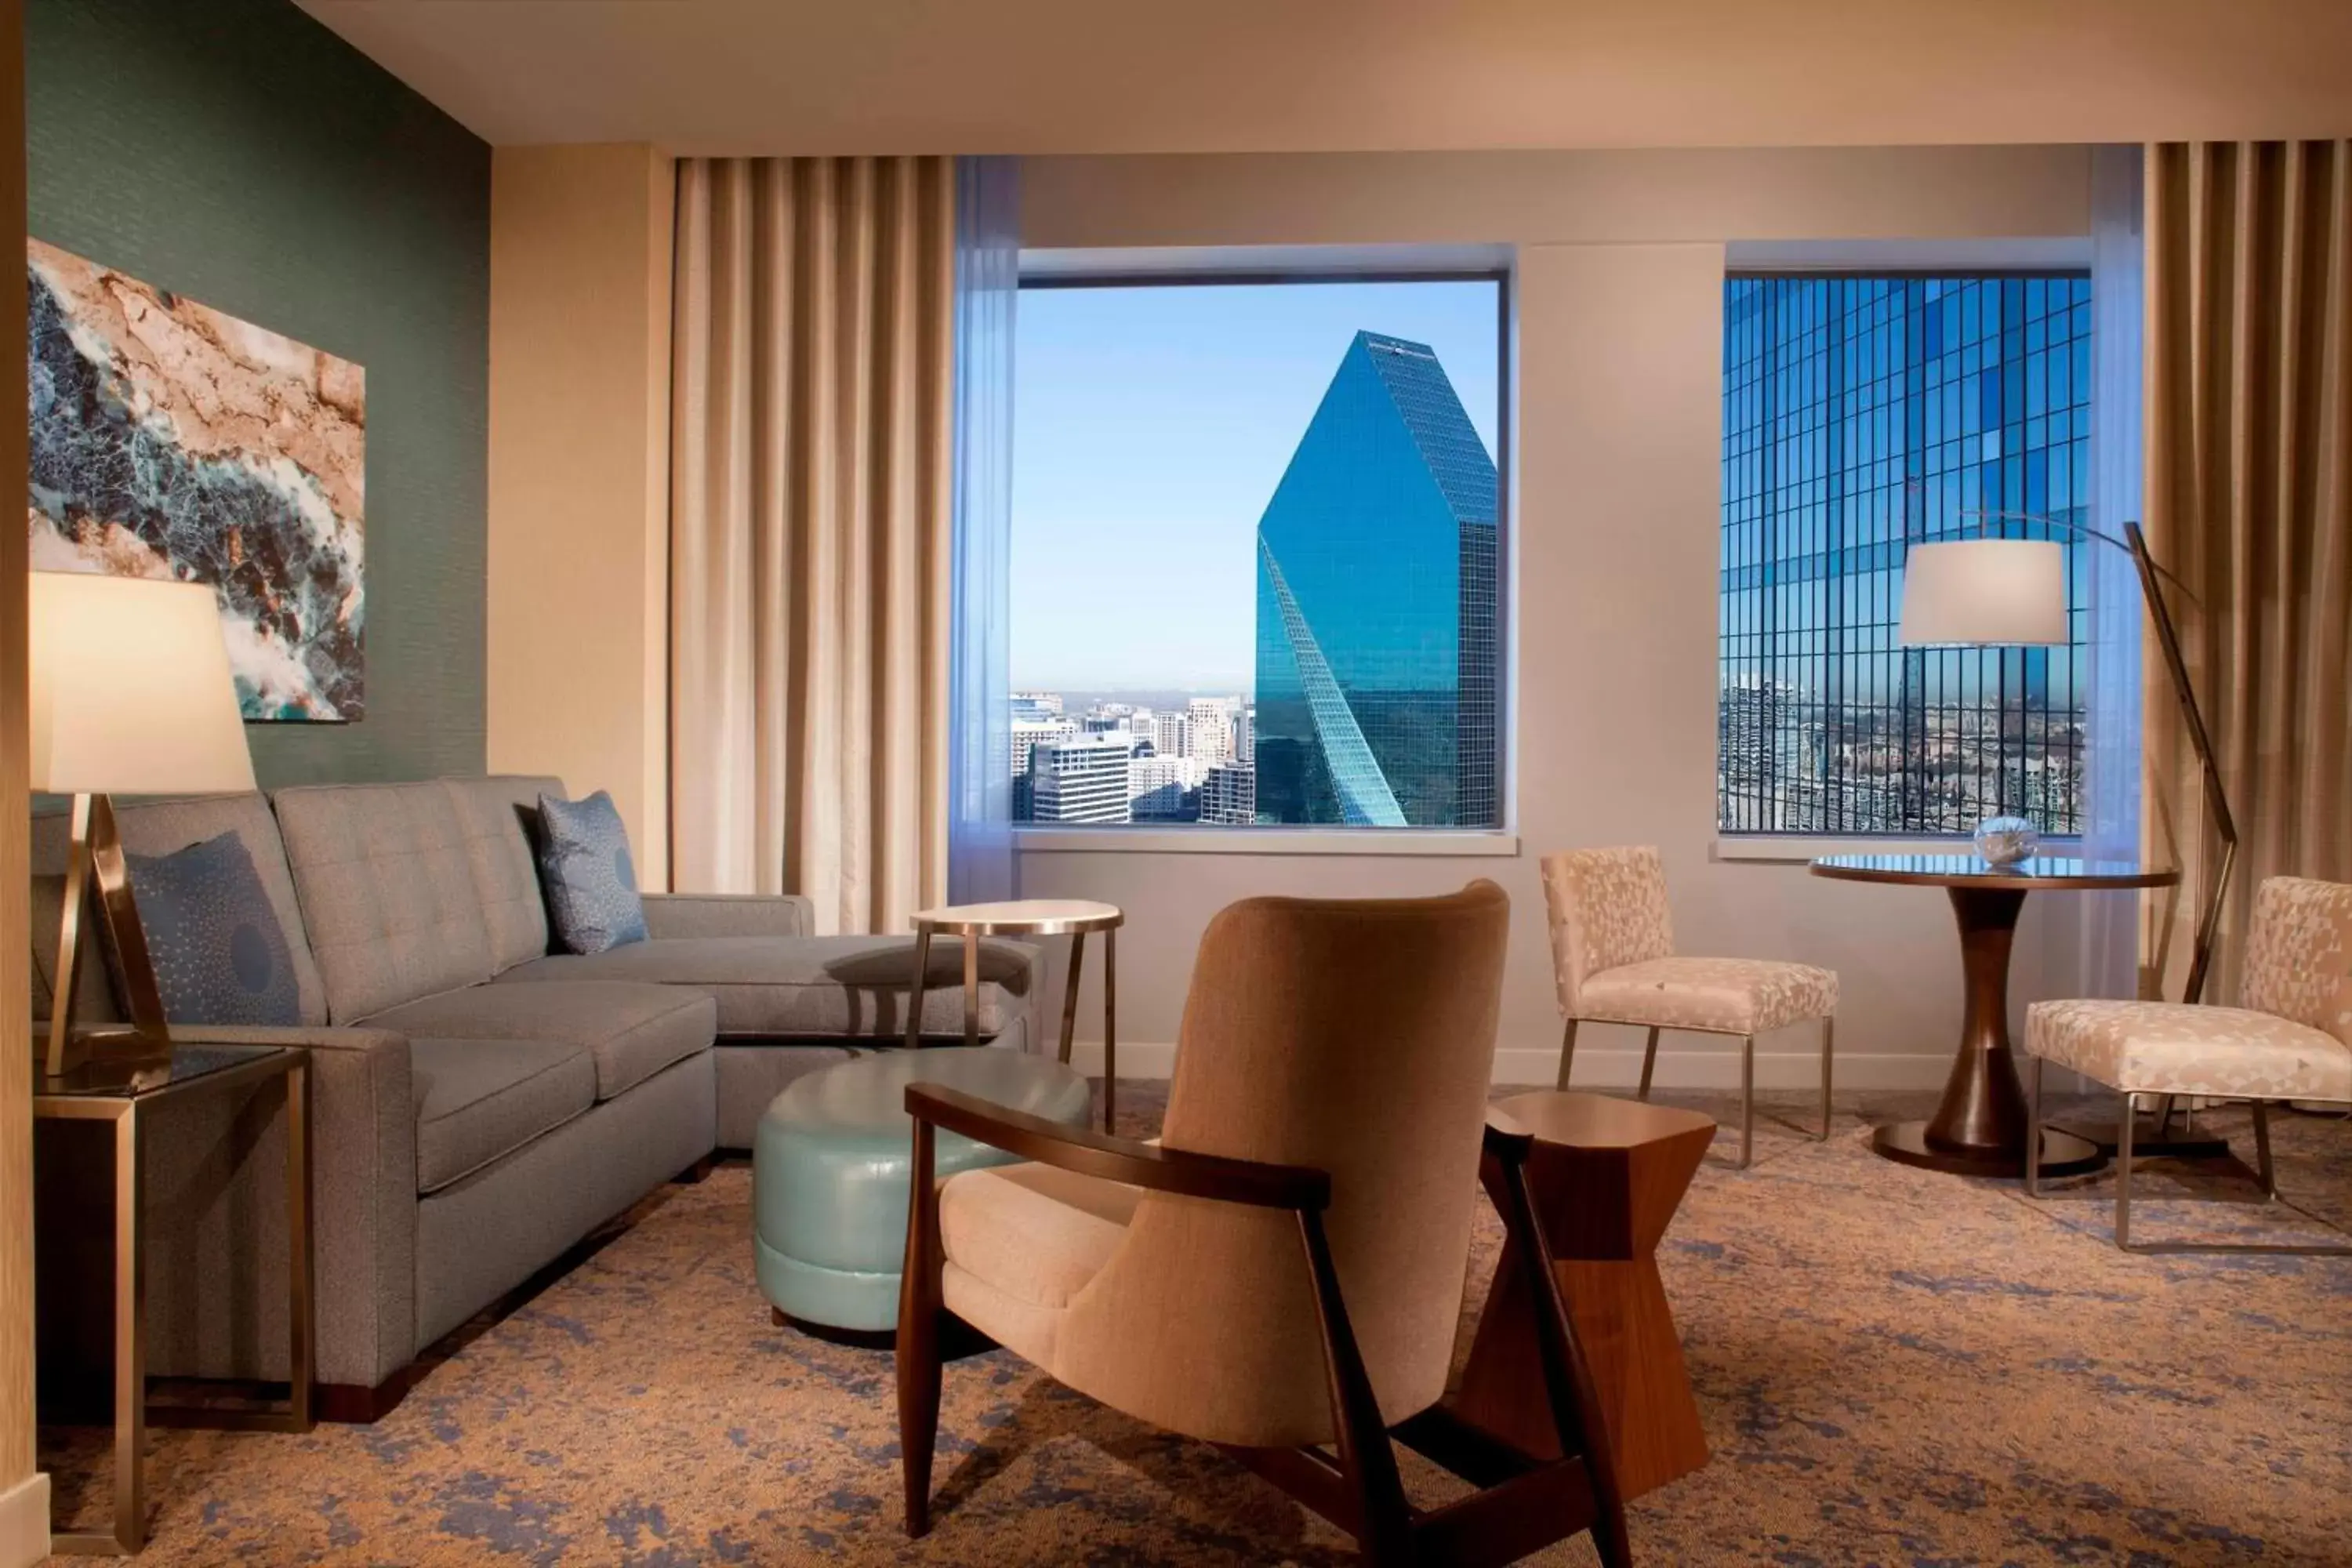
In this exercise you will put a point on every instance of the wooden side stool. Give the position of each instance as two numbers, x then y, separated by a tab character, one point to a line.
1606	1177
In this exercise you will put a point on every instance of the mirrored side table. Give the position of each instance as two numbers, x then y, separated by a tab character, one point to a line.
123	1094
1073	918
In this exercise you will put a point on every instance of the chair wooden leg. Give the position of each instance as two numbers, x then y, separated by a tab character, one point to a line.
918	1349
1649	1061
2263	1165
1384	1521
1575	1400
1747	1100
1829	1038
1567	1054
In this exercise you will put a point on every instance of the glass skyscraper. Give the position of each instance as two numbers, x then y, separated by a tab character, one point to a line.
1862	415
1376	637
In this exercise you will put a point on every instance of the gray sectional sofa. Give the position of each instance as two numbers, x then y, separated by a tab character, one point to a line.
479	1104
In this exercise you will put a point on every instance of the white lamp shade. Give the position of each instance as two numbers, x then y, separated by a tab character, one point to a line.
1977	591
131	689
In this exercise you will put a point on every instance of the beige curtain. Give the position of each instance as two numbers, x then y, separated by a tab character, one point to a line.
2249	500
811	378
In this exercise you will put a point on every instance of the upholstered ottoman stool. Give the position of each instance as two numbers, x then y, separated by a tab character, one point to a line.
829	1168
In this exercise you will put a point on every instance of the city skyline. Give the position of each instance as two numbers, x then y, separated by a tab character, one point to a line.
1153	424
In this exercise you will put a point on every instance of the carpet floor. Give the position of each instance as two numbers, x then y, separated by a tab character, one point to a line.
1894	1367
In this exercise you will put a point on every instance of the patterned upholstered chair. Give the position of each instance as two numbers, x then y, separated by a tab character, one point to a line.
1284	1269
2291	1040
1612	946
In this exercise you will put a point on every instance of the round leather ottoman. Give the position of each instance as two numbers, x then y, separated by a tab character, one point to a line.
829	1168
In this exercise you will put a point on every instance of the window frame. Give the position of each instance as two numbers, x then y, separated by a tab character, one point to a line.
1262	266
1976	261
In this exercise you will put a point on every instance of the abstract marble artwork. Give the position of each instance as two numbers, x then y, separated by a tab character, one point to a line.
170	440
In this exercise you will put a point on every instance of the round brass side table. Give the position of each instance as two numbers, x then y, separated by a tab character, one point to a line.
1979	1129
1073	918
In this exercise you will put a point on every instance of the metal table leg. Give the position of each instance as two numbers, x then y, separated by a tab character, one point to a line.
1110	1024
915	993
971	990
129	1531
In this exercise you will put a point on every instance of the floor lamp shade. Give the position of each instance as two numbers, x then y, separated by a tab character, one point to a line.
1985	593
131	688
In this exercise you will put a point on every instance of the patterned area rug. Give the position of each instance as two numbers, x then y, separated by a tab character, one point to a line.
1895	1367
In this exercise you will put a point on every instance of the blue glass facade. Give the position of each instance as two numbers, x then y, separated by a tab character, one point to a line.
1861	415
1376	613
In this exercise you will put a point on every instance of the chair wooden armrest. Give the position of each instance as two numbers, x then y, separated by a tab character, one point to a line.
1298	1188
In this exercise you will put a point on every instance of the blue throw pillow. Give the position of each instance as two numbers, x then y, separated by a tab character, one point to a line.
590	881
219	954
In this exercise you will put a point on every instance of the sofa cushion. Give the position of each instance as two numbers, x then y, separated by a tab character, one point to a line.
163	826
632	1032
812	986
588	874
387	892
500	817
211	937
479	1100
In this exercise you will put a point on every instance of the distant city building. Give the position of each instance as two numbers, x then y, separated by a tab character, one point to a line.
1376	646
1080	781
1208	730
1229	797
1036	705
1163	789
1170	736
1245	734
1030	733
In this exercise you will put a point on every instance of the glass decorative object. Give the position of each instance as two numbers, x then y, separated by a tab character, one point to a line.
2006	840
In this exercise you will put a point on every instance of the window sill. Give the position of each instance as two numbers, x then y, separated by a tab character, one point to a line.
1799	847
1263	841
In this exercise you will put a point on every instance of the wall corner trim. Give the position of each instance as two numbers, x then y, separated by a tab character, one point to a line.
25	1523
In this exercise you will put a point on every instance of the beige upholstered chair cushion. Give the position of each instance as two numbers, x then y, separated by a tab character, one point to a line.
1608	909
2170	1048
1729	995
1354	1037
2299	953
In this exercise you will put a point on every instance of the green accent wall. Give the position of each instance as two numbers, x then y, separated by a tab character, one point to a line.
238	153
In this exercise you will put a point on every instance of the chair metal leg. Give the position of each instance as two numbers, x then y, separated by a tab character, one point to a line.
1829	1037
1649	1061
2033	1127
2263	1165
2124	1126
1747	1098
1567	1054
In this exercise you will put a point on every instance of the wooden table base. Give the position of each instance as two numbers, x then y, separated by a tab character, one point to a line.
1604	1203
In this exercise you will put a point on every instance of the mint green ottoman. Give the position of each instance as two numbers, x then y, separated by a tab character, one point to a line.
829	1165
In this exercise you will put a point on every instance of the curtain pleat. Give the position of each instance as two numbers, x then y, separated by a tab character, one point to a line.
810	493
2250	502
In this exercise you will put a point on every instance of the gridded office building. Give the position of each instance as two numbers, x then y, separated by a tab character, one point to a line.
1376	637
1082	780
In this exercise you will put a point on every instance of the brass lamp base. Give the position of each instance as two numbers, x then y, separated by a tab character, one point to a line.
97	856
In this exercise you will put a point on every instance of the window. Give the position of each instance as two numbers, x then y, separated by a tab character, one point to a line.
1255	551
1861	413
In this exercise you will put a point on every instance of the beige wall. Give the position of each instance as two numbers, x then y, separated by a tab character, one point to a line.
578	675
1621	262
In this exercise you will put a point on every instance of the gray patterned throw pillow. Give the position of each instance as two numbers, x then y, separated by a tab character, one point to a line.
591	882
213	938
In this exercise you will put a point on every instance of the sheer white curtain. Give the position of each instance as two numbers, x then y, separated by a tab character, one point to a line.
980	747
2111	787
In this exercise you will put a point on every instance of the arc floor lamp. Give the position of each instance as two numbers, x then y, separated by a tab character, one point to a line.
1992	591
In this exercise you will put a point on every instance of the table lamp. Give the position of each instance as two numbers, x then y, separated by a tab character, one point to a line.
1991	592
131	693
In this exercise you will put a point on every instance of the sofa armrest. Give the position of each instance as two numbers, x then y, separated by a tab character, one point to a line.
728	914
362	1197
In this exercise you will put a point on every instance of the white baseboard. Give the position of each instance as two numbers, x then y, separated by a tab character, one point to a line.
1601	1067
25	1523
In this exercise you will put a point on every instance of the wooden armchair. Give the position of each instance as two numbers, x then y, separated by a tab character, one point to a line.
1285	1269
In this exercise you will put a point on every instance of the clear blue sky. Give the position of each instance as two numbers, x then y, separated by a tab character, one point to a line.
1150	427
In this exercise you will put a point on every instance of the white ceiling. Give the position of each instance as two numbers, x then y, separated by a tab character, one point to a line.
1115	76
